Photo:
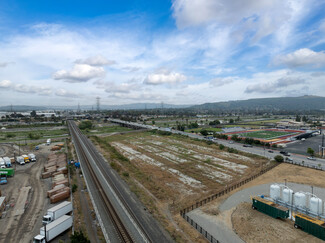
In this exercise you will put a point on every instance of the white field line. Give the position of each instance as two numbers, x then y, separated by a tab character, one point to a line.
231	165
186	179
137	155
218	176
172	158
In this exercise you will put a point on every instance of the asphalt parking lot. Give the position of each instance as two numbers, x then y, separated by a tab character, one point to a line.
300	147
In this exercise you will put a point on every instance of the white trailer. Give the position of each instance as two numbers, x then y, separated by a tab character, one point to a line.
57	211
32	157
20	160
54	229
2	163
7	161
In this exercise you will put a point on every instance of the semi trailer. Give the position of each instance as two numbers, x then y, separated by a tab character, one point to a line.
54	229
57	211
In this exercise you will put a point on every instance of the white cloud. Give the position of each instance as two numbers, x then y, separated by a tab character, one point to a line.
302	57
4	64
257	19
5	84
79	73
322	26
164	77
112	87
66	93
273	86
98	60
217	82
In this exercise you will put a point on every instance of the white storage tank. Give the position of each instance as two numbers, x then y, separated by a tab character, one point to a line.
275	192
300	199
316	205
287	195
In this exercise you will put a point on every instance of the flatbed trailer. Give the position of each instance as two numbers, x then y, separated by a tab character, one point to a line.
310	225
270	208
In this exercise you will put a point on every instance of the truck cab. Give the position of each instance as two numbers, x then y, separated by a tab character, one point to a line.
48	142
39	239
26	158
47	219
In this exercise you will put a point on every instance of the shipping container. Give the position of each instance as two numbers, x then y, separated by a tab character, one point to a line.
7	171
310	225
270	208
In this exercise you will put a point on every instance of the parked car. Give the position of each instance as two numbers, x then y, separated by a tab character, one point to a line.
247	145
289	159
311	158
271	151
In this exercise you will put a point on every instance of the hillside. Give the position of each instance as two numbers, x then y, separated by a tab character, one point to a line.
303	103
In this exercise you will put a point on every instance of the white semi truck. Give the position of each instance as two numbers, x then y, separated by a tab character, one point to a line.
7	161
57	211
20	160
54	229
48	141
32	157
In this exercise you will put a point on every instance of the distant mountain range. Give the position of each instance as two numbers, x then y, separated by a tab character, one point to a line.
135	106
302	103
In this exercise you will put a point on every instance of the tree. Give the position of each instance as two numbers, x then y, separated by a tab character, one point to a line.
310	151
278	158
33	114
304	119
231	121
204	132
85	125
221	146
298	119
79	237
153	122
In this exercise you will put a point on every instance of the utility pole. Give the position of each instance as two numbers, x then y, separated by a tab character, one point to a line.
98	103
322	146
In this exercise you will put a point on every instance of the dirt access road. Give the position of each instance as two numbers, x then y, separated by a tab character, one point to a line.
17	227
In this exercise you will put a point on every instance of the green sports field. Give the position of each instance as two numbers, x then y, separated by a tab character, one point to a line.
265	134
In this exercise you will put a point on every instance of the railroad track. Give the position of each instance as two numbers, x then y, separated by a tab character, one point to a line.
120	228
118	224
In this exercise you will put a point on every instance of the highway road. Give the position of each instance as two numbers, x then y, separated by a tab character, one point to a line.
296	158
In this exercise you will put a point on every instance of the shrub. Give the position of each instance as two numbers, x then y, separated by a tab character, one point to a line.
74	188
221	146
278	158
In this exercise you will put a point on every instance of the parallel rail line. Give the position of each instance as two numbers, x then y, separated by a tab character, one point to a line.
120	228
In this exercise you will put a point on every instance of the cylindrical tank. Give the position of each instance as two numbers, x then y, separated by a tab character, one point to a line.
275	191
316	205
287	195
300	199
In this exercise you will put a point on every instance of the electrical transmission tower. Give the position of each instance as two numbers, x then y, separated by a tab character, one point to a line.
98	103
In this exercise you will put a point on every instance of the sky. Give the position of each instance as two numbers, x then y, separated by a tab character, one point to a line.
63	53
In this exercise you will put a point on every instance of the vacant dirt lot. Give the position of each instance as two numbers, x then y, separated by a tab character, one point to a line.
169	172
23	226
253	226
